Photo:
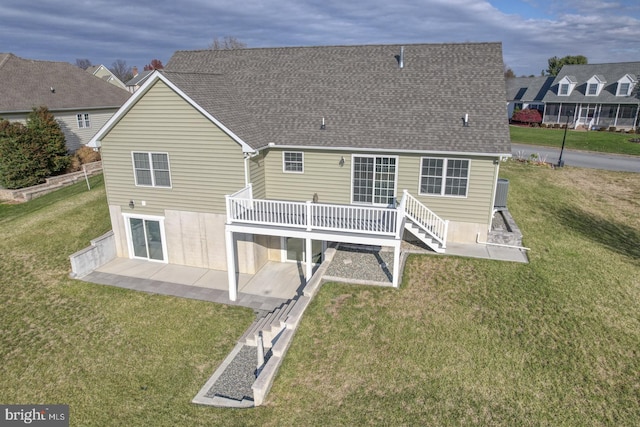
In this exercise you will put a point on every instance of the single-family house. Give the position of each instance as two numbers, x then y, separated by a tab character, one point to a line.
526	93
105	74
594	96
228	159
137	80
80	102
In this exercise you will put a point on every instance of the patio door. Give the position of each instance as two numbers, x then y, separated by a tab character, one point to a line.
374	180
146	238
296	251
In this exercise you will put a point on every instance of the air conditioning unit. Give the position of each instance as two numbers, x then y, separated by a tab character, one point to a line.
502	189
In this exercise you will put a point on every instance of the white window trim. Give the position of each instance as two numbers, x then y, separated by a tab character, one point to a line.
153	178
570	86
163	236
628	80
588	92
284	169
83	120
444	178
395	178
594	80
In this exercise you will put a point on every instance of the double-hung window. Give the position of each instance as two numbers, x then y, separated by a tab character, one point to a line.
623	89
592	89
151	169
293	161
83	120
444	177
564	89
374	180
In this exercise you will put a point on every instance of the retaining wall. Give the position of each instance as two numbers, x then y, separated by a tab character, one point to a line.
51	184
101	251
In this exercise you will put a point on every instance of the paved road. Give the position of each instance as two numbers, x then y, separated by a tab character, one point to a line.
583	159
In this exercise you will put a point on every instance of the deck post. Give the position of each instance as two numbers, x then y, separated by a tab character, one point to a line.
231	265
309	260
396	263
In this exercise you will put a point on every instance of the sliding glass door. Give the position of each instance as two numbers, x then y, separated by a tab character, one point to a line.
146	238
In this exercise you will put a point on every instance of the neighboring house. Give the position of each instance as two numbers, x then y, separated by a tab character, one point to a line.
227	159
137	80
105	74
526	93
80	102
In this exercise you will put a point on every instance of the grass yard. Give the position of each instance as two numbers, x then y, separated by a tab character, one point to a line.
462	342
605	142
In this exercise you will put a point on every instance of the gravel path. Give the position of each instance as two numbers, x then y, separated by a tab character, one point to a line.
237	379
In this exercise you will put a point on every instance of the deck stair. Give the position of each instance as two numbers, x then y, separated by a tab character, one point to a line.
423	223
420	233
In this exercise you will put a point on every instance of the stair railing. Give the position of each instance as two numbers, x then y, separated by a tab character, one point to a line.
436	227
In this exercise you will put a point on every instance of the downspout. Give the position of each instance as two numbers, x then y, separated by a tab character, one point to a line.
493	195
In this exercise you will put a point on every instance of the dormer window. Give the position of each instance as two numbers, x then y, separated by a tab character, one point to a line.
595	85
566	85
625	85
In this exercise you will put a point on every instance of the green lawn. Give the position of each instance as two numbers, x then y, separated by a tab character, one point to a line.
606	142
462	342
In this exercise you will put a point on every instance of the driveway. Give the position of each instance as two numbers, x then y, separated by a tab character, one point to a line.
583	159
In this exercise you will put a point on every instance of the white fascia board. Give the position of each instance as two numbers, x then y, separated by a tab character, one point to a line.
383	150
149	81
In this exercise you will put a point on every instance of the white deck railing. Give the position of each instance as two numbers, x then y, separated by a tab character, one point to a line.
242	208
431	223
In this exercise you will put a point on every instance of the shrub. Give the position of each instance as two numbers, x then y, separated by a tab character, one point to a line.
31	153
83	155
529	116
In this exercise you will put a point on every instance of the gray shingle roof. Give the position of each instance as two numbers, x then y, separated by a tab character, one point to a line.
25	84
528	89
280	95
610	73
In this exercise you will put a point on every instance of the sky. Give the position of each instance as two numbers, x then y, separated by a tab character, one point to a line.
137	31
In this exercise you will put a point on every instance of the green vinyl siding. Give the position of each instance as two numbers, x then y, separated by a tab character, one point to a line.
476	207
256	170
205	163
322	175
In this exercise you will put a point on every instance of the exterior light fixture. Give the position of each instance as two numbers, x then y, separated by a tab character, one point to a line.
132	204
341	162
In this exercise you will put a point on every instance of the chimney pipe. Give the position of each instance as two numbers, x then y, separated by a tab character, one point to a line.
401	59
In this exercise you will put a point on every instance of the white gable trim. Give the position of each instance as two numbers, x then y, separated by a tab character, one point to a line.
569	82
599	84
627	78
96	141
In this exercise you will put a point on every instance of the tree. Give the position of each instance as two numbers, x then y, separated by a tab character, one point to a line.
555	63
508	72
31	153
83	63
227	43
121	70
155	64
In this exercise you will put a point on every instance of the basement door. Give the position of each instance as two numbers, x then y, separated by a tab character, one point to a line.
146	238
296	250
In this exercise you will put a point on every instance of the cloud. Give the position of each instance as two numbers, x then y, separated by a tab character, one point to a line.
138	31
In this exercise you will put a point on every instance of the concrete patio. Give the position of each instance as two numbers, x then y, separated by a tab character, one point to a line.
272	285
